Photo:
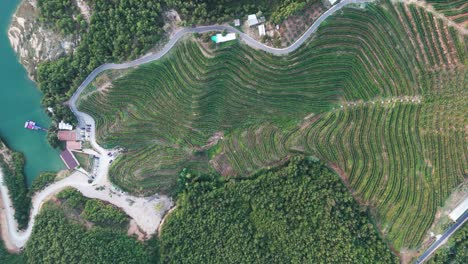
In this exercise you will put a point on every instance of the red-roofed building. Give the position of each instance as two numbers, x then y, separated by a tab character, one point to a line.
67	135
73	145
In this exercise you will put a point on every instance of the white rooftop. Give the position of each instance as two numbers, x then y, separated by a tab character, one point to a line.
236	22
65	126
457	212
261	30
220	38
332	2
252	20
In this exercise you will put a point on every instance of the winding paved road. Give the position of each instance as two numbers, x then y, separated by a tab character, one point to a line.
143	213
439	242
179	34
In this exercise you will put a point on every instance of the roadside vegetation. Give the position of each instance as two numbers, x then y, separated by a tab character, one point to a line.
76	229
42	181
378	94
12	166
212	11
456	250
8	258
297	213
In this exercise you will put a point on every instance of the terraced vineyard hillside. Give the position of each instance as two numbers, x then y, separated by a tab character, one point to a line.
456	10
379	93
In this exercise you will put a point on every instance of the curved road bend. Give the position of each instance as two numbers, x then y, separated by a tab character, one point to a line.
179	34
439	242
19	238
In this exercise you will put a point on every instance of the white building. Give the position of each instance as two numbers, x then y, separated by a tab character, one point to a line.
261	30
252	20
332	2
64	126
237	22
218	38
459	211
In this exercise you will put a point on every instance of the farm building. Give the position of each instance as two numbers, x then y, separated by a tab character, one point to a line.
67	135
69	160
219	38
261	30
459	210
252	20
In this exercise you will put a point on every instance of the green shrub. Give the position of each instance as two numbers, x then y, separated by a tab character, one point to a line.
72	197
15	181
41	181
104	214
56	239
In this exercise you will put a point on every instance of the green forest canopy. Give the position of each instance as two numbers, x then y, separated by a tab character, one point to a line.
12	166
299	213
61	235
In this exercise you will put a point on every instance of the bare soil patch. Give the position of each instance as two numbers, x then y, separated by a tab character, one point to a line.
135	230
293	27
4	230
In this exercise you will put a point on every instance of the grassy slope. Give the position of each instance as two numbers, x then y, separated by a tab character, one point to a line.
402	156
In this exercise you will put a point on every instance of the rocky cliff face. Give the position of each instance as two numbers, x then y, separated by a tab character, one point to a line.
33	42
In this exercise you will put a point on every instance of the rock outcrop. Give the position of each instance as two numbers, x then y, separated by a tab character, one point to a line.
33	42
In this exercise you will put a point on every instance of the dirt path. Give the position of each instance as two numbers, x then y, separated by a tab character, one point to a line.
147	212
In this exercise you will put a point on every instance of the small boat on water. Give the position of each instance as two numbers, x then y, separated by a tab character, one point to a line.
31	125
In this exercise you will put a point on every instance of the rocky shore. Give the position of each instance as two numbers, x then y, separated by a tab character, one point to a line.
33	42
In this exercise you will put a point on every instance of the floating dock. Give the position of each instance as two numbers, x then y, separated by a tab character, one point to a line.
31	125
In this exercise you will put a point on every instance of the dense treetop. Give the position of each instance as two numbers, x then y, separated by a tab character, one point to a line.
61	15
300	213
205	11
12	166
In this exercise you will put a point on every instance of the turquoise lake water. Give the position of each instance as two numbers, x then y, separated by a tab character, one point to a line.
20	101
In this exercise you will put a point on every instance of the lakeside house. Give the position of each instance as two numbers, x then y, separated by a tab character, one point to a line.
71	144
67	135
69	159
